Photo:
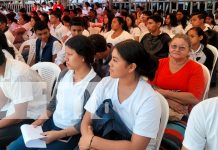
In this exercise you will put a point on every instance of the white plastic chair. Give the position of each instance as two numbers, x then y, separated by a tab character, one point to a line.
49	73
207	78
32	44
215	53
163	121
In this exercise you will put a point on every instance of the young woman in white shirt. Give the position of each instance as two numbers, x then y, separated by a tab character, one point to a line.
118	32
132	97
133	29
61	119
171	26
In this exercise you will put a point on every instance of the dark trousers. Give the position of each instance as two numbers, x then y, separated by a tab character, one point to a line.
10	133
49	125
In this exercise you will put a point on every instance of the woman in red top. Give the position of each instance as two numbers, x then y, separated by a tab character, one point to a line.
179	79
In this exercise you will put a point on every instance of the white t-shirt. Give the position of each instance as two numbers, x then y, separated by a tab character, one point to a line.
140	112
143	28
59	32
70	99
202	127
21	84
123	36
135	31
173	30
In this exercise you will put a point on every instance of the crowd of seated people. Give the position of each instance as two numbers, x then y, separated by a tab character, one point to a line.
128	56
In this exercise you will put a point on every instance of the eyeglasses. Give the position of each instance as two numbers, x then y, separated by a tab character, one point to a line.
181	48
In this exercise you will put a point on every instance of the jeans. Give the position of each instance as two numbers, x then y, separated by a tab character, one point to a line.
49	125
10	133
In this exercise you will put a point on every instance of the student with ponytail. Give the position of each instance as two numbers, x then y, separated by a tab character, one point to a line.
133	99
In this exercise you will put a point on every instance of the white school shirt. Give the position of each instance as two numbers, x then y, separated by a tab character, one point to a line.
59	32
21	84
202	127
173	30
140	112
135	31
122	37
70	99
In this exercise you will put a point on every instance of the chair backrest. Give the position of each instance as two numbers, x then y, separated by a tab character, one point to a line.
32	44
215	53
207	78
49	73
163	121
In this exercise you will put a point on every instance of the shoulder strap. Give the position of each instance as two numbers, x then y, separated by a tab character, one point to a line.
88	91
62	74
52	104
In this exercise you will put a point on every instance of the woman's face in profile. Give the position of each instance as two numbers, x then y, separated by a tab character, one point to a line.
115	24
118	66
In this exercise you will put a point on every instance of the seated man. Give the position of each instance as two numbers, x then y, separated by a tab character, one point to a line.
201	131
47	45
76	28
57	29
102	55
22	92
156	42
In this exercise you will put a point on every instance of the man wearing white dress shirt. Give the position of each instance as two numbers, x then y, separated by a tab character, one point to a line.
77	28
47	46
57	29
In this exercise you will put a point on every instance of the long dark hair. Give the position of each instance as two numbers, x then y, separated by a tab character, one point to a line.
133	20
107	26
173	20
184	19
4	44
133	52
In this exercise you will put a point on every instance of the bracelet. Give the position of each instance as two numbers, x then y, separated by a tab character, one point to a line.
91	141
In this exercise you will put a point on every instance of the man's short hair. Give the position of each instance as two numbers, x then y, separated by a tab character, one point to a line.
99	42
57	14
77	21
156	18
41	25
199	14
3	18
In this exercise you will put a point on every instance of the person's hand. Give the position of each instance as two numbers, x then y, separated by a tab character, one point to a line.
38	122
162	91
84	143
51	136
182	109
64	38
